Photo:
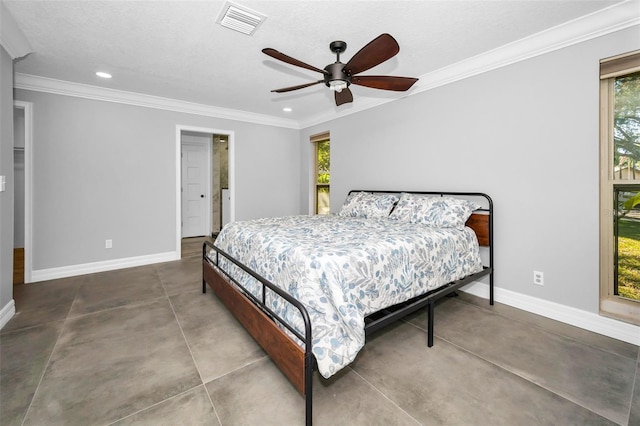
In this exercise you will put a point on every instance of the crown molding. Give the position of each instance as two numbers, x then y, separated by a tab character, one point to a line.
67	88
12	38
362	105
605	21
614	18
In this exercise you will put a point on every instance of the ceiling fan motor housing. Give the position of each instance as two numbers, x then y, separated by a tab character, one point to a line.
335	72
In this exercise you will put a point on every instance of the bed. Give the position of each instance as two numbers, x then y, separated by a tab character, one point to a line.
309	289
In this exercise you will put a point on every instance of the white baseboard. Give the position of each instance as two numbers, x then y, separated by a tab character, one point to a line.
586	320
107	265
7	312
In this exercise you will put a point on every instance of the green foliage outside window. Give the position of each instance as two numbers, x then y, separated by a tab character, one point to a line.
323	172
626	133
324	162
626	136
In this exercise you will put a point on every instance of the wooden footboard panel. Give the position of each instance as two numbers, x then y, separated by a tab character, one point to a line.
287	355
480	224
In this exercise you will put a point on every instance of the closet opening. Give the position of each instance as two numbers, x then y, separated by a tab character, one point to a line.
22	166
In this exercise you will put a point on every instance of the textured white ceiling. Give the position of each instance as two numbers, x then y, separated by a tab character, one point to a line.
175	49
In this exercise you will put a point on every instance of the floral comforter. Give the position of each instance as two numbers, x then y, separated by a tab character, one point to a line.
343	269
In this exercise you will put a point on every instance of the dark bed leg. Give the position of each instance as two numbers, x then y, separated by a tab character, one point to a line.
491	288
204	253
430	317
308	389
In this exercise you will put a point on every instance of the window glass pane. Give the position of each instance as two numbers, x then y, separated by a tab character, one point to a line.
323	176
322	199
627	242
324	166
626	131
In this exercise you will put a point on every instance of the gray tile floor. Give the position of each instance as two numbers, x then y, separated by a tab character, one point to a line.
145	346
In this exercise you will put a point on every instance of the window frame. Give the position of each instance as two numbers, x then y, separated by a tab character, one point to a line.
612	305
315	140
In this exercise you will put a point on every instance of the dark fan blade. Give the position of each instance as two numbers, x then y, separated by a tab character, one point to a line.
384	82
376	52
288	59
301	86
343	97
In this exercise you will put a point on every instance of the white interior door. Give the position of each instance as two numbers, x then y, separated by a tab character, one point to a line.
195	190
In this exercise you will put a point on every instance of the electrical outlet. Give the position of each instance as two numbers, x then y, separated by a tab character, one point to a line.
538	278
108	243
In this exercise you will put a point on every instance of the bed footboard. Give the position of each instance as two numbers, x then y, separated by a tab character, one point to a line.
296	362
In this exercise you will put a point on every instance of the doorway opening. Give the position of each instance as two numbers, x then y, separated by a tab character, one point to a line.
205	185
22	169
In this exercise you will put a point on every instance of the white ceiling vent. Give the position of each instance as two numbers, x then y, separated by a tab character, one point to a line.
240	18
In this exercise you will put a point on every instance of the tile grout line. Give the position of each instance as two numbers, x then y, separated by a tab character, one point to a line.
558	335
154	404
636	384
135	304
384	395
527	379
542	328
189	349
241	367
53	350
506	369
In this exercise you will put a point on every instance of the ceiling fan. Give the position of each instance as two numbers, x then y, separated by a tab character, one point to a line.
338	76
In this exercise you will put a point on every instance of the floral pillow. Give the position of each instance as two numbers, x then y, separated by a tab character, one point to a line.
368	205
404	209
436	212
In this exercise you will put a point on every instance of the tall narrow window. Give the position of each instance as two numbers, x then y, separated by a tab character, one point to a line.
322	175
620	187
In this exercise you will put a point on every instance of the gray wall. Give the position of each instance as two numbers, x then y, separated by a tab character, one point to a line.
6	169
526	134
107	170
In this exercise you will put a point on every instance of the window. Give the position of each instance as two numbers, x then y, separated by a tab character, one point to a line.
620	187
322	172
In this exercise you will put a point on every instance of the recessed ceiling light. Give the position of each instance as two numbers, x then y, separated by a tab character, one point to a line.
103	74
287	109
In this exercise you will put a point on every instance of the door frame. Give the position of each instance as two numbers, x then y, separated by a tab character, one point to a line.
28	186
178	179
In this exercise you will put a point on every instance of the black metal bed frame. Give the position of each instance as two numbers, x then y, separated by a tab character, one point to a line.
373	322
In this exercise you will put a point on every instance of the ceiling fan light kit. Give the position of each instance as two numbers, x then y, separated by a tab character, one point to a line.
338	76
338	85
